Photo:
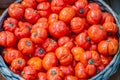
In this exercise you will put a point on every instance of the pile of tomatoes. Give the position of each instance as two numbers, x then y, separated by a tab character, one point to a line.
58	39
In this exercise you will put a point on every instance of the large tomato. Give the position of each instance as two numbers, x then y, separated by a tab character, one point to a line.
10	24
26	46
50	60
16	10
55	73
42	76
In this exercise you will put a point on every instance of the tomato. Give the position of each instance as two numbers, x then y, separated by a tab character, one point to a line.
94	16
7	39
38	35
39	1
93	47
93	5
52	18
70	77
10	54
76	51
42	19
44	9
10	24
66	14
66	42
58	29
83	40
39	52
31	15
18	63
29	73
67	70
110	27
26	46
81	3
42	76
29	3
50	45
64	55
97	33
55	73
50	60
16	10
77	24
80	71
36	63
109	46
70	1
106	17
57	5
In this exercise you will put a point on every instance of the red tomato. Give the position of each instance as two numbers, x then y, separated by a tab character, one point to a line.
10	24
39	1
52	18
42	76
81	3
70	1
70	77
93	5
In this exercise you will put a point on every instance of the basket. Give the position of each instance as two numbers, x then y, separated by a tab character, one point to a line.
104	75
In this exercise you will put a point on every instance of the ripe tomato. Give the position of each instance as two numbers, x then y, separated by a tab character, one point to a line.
67	70
18	64
7	39
94	16
76	51
55	73
42	76
50	45
29	73
109	46
70	77
52	18
57	5
93	5
58	29
16	10
81	3
26	46
64	55
10	24
66	14
97	33
36	63
38	35
83	40
31	15
44	9
29	3
10	54
39	1
80	71
110	27
50	60
77	24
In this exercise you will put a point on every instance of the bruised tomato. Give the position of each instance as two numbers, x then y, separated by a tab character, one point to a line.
52	18
10	24
55	73
42	76
50	60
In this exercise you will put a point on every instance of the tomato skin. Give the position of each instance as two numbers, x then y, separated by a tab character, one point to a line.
10	54
93	6
42	76
70	77
50	45
7	39
31	15
10	24
76	51
44	9
50	60
109	46
94	16
77	24
29	73
55	73
58	29
16	10
57	5
18	64
26	46
36	63
64	55
83	40
29	4
52	18
38	35
97	33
